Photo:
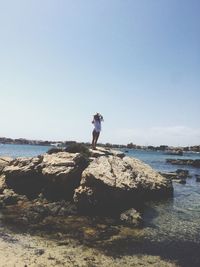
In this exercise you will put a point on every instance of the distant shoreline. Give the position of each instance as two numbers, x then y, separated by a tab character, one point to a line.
165	148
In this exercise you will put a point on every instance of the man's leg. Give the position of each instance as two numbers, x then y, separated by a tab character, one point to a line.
96	138
93	139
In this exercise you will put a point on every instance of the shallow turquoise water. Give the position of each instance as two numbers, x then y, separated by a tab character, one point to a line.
177	218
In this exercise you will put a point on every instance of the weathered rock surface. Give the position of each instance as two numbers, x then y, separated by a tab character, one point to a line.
4	161
55	175
23	176
3	184
95	153
110	182
61	173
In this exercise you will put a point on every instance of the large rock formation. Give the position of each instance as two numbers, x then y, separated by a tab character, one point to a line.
101	181
110	183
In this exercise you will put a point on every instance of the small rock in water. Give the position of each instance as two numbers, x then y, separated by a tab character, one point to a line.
131	217
180	181
182	173
197	178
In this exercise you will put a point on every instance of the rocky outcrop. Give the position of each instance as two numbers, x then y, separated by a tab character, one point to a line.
110	183
190	162
102	181
56	175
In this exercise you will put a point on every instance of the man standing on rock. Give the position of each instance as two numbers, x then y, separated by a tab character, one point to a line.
97	119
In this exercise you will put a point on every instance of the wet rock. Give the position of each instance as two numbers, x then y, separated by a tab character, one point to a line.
131	218
169	175
34	212
179	176
112	183
182	173
177	152
9	197
190	162
180	181
197	178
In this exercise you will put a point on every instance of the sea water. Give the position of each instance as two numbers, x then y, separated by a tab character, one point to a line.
15	151
178	217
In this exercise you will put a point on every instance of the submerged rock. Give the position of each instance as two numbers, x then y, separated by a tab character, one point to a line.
197	178
190	162
112	183
131	217
178	176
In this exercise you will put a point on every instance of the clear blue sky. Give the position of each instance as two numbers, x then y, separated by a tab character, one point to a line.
135	61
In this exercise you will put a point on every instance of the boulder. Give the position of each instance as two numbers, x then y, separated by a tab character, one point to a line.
9	197
54	175
61	173
131	218
23	175
182	173
113	183
197	177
